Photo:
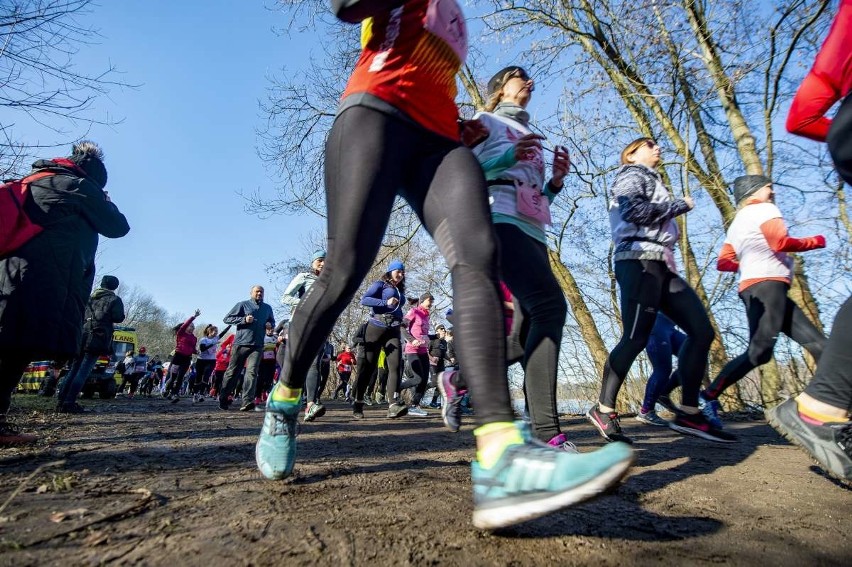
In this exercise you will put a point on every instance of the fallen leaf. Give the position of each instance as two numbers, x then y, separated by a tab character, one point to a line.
42	489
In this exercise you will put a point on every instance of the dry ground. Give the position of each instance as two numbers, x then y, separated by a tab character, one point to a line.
146	482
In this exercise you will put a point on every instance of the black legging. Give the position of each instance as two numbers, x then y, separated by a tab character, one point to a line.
203	371
832	383
371	157
648	286
769	312
175	380
419	364
375	339
525	268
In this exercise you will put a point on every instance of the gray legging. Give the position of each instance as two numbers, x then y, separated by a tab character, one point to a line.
371	157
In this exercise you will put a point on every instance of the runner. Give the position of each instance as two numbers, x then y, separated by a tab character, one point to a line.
665	341
296	290
185	341
345	364
385	299
416	329
641	214
756	245
395	137
513	159
818	419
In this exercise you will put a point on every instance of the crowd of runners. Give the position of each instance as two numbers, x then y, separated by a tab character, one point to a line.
483	188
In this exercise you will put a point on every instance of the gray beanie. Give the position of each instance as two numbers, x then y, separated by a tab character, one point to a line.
747	185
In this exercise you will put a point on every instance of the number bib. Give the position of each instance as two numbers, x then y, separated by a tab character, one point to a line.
532	202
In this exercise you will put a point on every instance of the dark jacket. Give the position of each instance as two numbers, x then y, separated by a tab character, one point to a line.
104	310
45	284
250	333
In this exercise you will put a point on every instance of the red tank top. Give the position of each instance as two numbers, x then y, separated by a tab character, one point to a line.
409	59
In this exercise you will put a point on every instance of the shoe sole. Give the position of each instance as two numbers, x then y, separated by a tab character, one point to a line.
789	435
515	513
699	433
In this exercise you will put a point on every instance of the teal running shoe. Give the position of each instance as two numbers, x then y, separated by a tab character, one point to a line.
275	451
532	480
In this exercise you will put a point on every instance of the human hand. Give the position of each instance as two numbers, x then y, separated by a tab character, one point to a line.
561	165
689	202
197	312
249	319
393	302
526	146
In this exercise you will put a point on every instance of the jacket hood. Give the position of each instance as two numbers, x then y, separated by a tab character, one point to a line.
92	168
101	292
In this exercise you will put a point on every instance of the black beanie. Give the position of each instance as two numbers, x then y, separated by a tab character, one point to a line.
747	185
89	157
109	282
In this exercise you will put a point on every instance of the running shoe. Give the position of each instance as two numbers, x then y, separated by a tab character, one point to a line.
368	401
651	418
73	407
316	410
530	480
11	435
224	404
248	406
829	444
710	409
397	410
667	404
417	411
175	398
275	451
607	425
699	426
451	407
358	410
561	443
380	398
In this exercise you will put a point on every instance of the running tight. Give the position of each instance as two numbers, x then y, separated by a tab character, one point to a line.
371	157
537	331
648	286
375	339
769	312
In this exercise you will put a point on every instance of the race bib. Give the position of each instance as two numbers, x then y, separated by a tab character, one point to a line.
268	355
532	203
139	368
444	19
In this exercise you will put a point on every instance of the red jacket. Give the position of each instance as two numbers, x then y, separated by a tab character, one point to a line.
829	80
185	341
223	357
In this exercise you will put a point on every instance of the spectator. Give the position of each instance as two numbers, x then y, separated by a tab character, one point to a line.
44	283
250	317
104	309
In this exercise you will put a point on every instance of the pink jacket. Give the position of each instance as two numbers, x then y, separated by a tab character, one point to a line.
185	342
417	323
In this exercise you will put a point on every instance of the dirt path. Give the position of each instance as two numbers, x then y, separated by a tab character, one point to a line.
150	483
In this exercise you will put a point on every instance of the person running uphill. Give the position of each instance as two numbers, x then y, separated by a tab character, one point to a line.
401	137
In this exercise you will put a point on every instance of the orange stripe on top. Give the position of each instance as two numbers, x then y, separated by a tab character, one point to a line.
408	67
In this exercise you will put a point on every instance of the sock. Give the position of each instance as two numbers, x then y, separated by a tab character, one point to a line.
282	393
605	409
816	418
491	453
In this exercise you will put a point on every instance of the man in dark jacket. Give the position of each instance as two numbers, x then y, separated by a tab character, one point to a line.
250	318
45	283
104	310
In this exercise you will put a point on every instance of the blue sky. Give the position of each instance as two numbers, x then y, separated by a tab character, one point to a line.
187	147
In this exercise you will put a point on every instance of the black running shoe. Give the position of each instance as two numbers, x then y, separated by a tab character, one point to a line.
607	425
358	410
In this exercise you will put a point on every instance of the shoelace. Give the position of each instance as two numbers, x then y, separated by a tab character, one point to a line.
284	426
613	418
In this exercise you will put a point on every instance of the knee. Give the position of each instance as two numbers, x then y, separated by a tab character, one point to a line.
760	352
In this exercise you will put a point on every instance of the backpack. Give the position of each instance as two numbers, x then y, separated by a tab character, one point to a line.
16	228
